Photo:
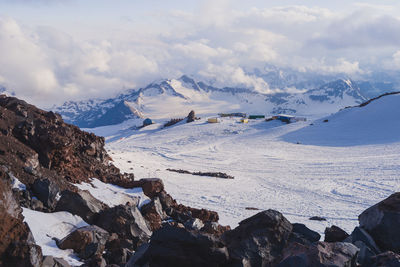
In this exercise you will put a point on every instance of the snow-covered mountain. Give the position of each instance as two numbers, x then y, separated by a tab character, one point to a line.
176	97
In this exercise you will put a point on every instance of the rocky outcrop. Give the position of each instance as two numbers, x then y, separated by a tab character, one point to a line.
258	240
381	221
80	203
320	254
38	144
173	246
17	247
86	241
335	234
127	222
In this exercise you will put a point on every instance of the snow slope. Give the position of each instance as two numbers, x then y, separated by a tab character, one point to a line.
376	123
46	226
337	182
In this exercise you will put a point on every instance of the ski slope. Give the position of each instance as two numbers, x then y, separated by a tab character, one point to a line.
275	165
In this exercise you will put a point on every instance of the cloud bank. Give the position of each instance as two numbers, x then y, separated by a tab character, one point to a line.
215	43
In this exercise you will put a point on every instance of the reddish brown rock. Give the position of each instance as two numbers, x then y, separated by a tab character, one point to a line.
335	234
152	187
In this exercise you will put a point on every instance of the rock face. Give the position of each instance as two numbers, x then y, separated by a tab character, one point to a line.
38	144
258	240
303	235
382	222
80	203
172	246
154	214
127	222
320	254
17	246
46	191
86	241
335	234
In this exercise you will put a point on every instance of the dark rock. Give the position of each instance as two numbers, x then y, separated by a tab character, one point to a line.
387	259
80	203
258	240
172	246
127	222
46	192
153	213
86	241
50	261
335	234
360	234
382	223
24	254
191	117
215	228
365	255
319	254
151	186
317	218
303	235
96	261
16	242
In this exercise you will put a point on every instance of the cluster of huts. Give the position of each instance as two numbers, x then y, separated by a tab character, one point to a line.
245	119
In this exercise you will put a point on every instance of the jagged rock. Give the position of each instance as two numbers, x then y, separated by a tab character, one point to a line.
320	254
36	204
387	259
117	251
80	203
17	246
47	144
23	254
153	213
365	255
46	191
360	234
151	186
87	241
258	240
50	261
335	234
382	223
95	261
215	228
191	117
127	222
172	246
303	235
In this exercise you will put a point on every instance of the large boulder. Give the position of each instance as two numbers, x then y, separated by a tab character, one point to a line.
127	222
382	223
335	234
87	241
258	240
46	192
320	254
173	246
303	235
80	203
360	234
153	213
151	186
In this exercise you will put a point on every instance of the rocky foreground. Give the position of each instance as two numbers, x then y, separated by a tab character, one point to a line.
48	157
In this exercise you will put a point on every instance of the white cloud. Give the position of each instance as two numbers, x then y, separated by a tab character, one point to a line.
214	43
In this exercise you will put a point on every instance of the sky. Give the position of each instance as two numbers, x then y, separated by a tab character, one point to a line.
57	50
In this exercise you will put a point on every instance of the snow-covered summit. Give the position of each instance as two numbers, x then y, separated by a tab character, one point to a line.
174	98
